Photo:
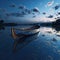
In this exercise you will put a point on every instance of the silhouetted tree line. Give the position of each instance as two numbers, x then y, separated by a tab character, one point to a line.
56	23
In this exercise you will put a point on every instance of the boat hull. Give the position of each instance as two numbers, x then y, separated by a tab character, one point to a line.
30	31
17	33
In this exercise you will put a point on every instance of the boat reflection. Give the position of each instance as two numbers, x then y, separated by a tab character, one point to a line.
22	40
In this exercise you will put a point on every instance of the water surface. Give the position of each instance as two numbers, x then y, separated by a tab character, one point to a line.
43	46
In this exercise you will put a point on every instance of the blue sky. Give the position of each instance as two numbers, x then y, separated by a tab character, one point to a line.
42	6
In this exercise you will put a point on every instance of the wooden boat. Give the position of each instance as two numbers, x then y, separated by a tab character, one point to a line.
24	32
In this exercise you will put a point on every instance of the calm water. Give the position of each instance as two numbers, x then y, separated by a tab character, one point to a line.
43	46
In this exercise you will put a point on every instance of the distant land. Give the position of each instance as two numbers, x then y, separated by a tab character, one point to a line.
55	23
16	24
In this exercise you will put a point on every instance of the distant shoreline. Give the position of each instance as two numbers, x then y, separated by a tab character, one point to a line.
17	24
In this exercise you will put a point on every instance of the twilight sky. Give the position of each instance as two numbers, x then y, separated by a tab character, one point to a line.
29	10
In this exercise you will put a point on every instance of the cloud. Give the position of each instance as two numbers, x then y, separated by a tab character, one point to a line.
35	10
44	13
58	17
23	11
57	6
16	14
50	16
34	16
12	5
58	13
49	3
28	11
22	7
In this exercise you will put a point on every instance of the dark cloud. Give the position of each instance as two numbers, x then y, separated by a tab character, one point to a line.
23	11
58	17
58	13
35	10
12	5
44	13
50	16
21	7
34	16
28	11
55	18
16	14
57	6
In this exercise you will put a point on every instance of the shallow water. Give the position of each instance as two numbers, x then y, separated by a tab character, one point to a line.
45	45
